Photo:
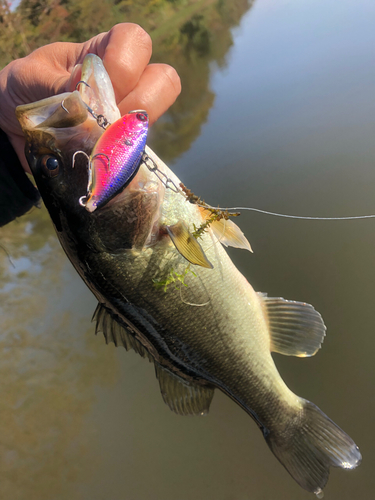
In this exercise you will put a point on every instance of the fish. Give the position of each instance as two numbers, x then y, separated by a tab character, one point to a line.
154	258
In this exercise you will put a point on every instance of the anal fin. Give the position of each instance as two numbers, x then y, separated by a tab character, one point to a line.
296	328
183	397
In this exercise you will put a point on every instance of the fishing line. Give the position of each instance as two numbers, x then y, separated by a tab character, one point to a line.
168	183
8	255
355	217
190	196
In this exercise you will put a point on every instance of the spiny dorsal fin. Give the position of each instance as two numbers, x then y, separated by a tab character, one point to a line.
227	232
187	245
182	397
117	333
296	329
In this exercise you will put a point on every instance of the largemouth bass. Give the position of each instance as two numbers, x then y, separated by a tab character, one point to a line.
167	288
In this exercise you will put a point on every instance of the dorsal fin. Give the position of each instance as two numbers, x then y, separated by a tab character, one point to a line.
296	328
187	245
183	397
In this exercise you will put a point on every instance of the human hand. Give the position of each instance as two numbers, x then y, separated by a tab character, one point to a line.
55	68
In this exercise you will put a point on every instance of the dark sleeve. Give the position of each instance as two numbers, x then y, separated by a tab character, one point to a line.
17	194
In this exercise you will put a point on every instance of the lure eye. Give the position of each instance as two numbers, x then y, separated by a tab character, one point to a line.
141	116
50	165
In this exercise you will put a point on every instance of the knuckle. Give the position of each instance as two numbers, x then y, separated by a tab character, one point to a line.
141	36
20	71
135	33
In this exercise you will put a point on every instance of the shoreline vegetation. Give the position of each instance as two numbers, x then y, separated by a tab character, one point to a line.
190	35
29	24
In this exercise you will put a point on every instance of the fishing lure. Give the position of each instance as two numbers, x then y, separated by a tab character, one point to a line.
115	158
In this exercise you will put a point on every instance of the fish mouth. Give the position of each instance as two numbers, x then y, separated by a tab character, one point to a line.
69	121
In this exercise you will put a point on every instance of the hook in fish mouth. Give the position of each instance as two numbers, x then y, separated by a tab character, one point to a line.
58	112
83	201
79	83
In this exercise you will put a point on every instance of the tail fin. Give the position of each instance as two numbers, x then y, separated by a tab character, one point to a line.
310	444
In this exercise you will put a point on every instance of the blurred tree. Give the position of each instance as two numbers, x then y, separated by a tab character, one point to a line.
13	40
188	34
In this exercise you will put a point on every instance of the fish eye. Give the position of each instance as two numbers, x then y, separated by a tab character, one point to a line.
141	116
50	165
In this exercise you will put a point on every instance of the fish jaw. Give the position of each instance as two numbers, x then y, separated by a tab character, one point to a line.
60	130
97	91
49	111
63	119
65	127
70	119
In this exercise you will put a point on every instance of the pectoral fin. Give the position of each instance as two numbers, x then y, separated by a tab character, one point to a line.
296	328
227	232
182	397
230	235
187	245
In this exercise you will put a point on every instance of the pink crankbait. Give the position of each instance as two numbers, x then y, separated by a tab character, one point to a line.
115	158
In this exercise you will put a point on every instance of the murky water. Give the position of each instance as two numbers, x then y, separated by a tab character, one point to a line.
284	121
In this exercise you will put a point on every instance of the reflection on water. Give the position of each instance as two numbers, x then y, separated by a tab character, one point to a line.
286	124
201	41
50	366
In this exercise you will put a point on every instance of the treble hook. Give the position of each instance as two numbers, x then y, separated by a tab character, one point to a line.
101	120
63	107
102	154
83	201
76	153
82	81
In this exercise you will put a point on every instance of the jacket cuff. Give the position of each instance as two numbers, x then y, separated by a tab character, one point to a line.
17	193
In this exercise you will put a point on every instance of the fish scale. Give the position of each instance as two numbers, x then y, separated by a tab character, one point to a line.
211	327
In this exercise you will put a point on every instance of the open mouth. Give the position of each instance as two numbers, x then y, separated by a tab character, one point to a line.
87	121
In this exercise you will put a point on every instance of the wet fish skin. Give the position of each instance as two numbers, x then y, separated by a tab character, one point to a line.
122	248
